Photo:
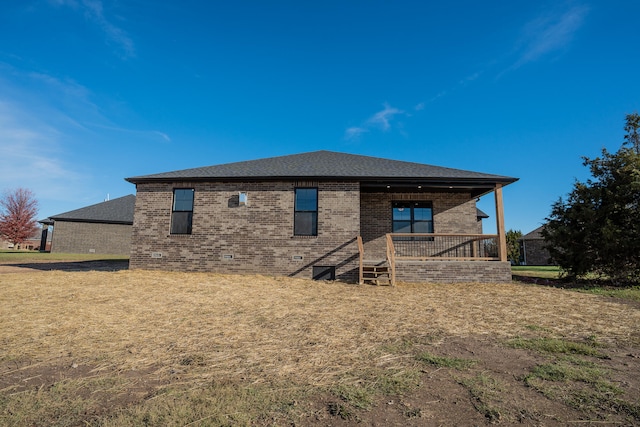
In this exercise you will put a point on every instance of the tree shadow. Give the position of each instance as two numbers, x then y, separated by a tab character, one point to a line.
572	283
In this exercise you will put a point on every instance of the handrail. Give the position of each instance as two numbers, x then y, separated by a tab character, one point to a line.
361	252
391	259
483	236
445	246
433	246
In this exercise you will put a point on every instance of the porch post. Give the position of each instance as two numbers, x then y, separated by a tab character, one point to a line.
43	238
502	237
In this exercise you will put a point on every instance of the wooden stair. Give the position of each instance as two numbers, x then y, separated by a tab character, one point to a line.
381	272
376	274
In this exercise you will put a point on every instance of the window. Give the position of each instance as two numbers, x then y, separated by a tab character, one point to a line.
412	217
305	221
324	272
182	213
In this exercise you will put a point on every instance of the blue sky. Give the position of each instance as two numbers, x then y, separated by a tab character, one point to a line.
93	91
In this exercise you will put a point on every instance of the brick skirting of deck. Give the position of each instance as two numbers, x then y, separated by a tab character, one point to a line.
453	271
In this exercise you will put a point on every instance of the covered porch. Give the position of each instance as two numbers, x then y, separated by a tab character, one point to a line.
454	247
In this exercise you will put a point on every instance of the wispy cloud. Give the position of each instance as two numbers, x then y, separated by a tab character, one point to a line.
470	78
72	100
162	135
67	87
436	96
152	133
354	132
461	83
540	37
549	33
380	120
61	101
49	128
29	155
93	11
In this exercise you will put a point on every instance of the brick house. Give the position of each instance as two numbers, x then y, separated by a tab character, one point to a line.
103	228
32	243
323	215
479	217
532	248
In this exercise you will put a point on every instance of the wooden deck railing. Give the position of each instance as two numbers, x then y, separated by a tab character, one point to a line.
361	265
429	246
391	259
444	246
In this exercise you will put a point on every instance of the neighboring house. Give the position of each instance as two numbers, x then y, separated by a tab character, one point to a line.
301	215
532	248
479	217
35	243
32	243
5	244
103	228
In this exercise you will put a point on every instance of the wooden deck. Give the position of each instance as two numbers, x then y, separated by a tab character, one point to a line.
406	249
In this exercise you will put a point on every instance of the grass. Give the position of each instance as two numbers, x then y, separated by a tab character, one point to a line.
580	383
397	381
583	386
557	345
563	371
357	396
553	272
541	271
632	293
485	392
211	405
359	390
168	348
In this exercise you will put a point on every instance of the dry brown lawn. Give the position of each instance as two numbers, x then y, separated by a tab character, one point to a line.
159	330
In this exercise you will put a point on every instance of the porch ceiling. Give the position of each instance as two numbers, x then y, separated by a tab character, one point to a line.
476	189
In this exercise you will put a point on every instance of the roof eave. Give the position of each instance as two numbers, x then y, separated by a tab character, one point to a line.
94	221
427	180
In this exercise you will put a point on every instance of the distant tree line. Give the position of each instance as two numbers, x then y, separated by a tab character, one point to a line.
513	246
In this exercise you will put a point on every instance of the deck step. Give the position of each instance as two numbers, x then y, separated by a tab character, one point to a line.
376	274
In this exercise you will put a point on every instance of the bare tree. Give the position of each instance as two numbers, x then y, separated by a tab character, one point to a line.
18	210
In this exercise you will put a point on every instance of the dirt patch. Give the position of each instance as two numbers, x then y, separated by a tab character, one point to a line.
450	397
444	396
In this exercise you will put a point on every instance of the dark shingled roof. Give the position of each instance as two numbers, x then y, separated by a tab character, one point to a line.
115	211
481	214
534	235
324	165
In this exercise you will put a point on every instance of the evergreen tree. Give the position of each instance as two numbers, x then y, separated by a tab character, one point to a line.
513	246
597	229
